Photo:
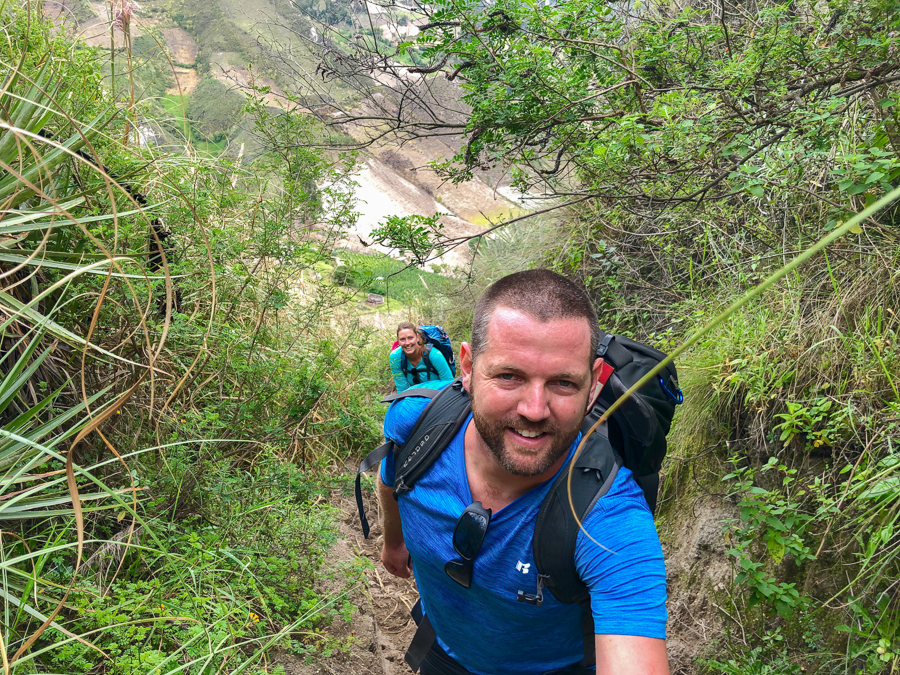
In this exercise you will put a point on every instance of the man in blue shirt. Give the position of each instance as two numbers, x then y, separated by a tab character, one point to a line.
531	373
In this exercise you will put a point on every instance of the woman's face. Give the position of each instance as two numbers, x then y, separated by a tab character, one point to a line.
409	341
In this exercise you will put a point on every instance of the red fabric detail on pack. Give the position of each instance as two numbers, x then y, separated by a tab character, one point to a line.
606	370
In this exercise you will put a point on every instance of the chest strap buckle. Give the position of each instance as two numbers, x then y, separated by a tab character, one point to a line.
536	599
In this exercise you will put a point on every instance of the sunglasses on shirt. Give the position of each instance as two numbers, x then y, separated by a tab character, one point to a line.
468	537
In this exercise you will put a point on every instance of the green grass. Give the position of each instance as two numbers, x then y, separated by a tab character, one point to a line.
211	148
172	104
174	114
383	275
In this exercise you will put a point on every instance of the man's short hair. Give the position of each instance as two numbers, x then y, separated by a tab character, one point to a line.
542	295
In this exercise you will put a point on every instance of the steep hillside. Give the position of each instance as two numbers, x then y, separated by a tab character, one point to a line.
194	64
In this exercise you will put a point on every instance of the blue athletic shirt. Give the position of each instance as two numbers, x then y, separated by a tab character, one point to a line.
484	628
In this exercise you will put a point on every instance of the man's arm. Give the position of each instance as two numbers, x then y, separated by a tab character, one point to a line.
631	655
394	555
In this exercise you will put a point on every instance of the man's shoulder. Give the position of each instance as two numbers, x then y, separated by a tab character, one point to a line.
622	508
402	415
623	493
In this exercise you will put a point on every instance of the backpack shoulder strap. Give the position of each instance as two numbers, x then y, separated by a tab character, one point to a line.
374	458
556	529
612	350
421	392
433	431
404	363
436	426
428	365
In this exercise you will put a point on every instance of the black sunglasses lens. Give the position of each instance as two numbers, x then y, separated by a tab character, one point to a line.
460	571
468	537
469	534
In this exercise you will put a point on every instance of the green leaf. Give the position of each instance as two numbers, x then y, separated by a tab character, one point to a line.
13	225
755	190
37	262
889	487
21	310
876	176
785	611
774	523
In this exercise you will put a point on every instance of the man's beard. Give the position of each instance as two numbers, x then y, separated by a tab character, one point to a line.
493	433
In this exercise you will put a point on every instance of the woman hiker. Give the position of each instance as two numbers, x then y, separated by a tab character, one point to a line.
414	361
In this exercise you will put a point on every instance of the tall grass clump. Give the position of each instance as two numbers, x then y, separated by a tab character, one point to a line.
173	383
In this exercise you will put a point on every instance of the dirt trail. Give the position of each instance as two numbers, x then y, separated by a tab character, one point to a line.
392	598
381	628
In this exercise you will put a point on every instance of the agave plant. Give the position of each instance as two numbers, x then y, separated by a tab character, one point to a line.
44	493
42	208
30	439
39	484
30	171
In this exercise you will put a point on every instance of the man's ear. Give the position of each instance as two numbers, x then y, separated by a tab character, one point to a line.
465	364
596	387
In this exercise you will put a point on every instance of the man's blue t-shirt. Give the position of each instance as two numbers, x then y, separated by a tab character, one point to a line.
484	627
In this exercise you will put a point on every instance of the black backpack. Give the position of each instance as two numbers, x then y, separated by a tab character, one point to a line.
634	436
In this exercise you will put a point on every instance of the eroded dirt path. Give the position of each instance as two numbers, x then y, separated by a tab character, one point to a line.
381	628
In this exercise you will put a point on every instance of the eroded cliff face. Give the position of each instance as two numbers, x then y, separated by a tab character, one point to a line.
698	573
397	180
395	177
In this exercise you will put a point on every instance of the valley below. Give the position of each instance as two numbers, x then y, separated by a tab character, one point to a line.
392	178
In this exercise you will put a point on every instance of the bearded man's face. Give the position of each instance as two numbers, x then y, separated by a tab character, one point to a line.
529	388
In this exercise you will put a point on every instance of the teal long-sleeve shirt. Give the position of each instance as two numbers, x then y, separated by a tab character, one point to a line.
437	359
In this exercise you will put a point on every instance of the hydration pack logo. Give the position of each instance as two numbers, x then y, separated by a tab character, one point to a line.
523	567
416	450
